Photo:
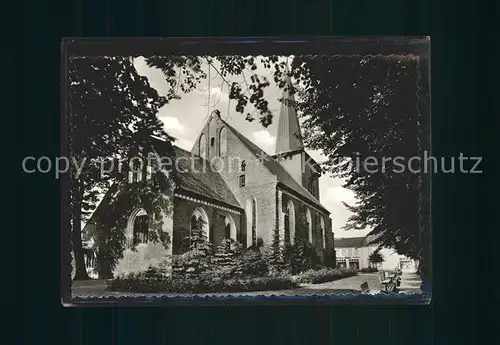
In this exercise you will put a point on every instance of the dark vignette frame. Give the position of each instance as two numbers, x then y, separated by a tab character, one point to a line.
418	45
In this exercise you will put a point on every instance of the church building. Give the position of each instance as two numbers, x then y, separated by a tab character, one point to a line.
238	190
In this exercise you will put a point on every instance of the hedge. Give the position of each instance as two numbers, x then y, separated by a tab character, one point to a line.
143	284
369	270
324	275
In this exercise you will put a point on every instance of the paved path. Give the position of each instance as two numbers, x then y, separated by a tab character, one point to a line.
410	282
350	283
346	285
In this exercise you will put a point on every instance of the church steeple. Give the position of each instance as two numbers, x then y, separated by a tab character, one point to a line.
289	136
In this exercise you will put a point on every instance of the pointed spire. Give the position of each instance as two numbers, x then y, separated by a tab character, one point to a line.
289	136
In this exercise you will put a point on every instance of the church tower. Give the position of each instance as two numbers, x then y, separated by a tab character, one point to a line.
289	137
290	147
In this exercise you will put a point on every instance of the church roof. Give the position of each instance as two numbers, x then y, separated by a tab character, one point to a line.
284	178
289	136
207	183
202	180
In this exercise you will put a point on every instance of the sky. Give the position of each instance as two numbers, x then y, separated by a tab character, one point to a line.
184	119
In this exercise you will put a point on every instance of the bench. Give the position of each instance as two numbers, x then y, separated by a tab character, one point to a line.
389	284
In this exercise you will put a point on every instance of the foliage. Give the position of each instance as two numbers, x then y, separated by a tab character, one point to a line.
376	257
230	261
151	282
198	239
275	254
191	264
198	259
330	258
360	107
301	256
250	91
103	132
225	259
324	275
251	263
369	270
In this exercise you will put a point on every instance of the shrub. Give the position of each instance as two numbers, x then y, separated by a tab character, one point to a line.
301	256
325	275
139	283
191	264
369	270
250	263
275	254
224	263
376	257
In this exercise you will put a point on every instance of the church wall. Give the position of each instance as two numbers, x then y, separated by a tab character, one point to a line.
183	210
146	254
308	174
210	131
259	183
293	165
302	232
285	200
330	245
322	242
300	167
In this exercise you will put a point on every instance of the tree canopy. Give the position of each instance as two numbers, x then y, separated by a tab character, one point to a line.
372	110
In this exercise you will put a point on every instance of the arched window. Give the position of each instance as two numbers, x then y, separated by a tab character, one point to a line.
309	225
137	227
212	132
290	222
251	214
223	142
323	231
198	217
230	228
203	146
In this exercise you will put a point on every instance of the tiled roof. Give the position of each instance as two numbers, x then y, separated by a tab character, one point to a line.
350	242
284	178
203	180
205	183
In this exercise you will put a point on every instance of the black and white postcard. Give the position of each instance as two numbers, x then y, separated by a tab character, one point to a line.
242	171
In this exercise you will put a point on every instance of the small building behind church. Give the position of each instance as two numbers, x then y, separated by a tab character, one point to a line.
354	252
237	189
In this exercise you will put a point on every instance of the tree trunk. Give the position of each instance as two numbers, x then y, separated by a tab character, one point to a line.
80	268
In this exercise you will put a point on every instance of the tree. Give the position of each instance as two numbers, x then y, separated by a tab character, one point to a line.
225	260
248	92
198	239
301	255
275	253
360	107
112	115
198	259
375	258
